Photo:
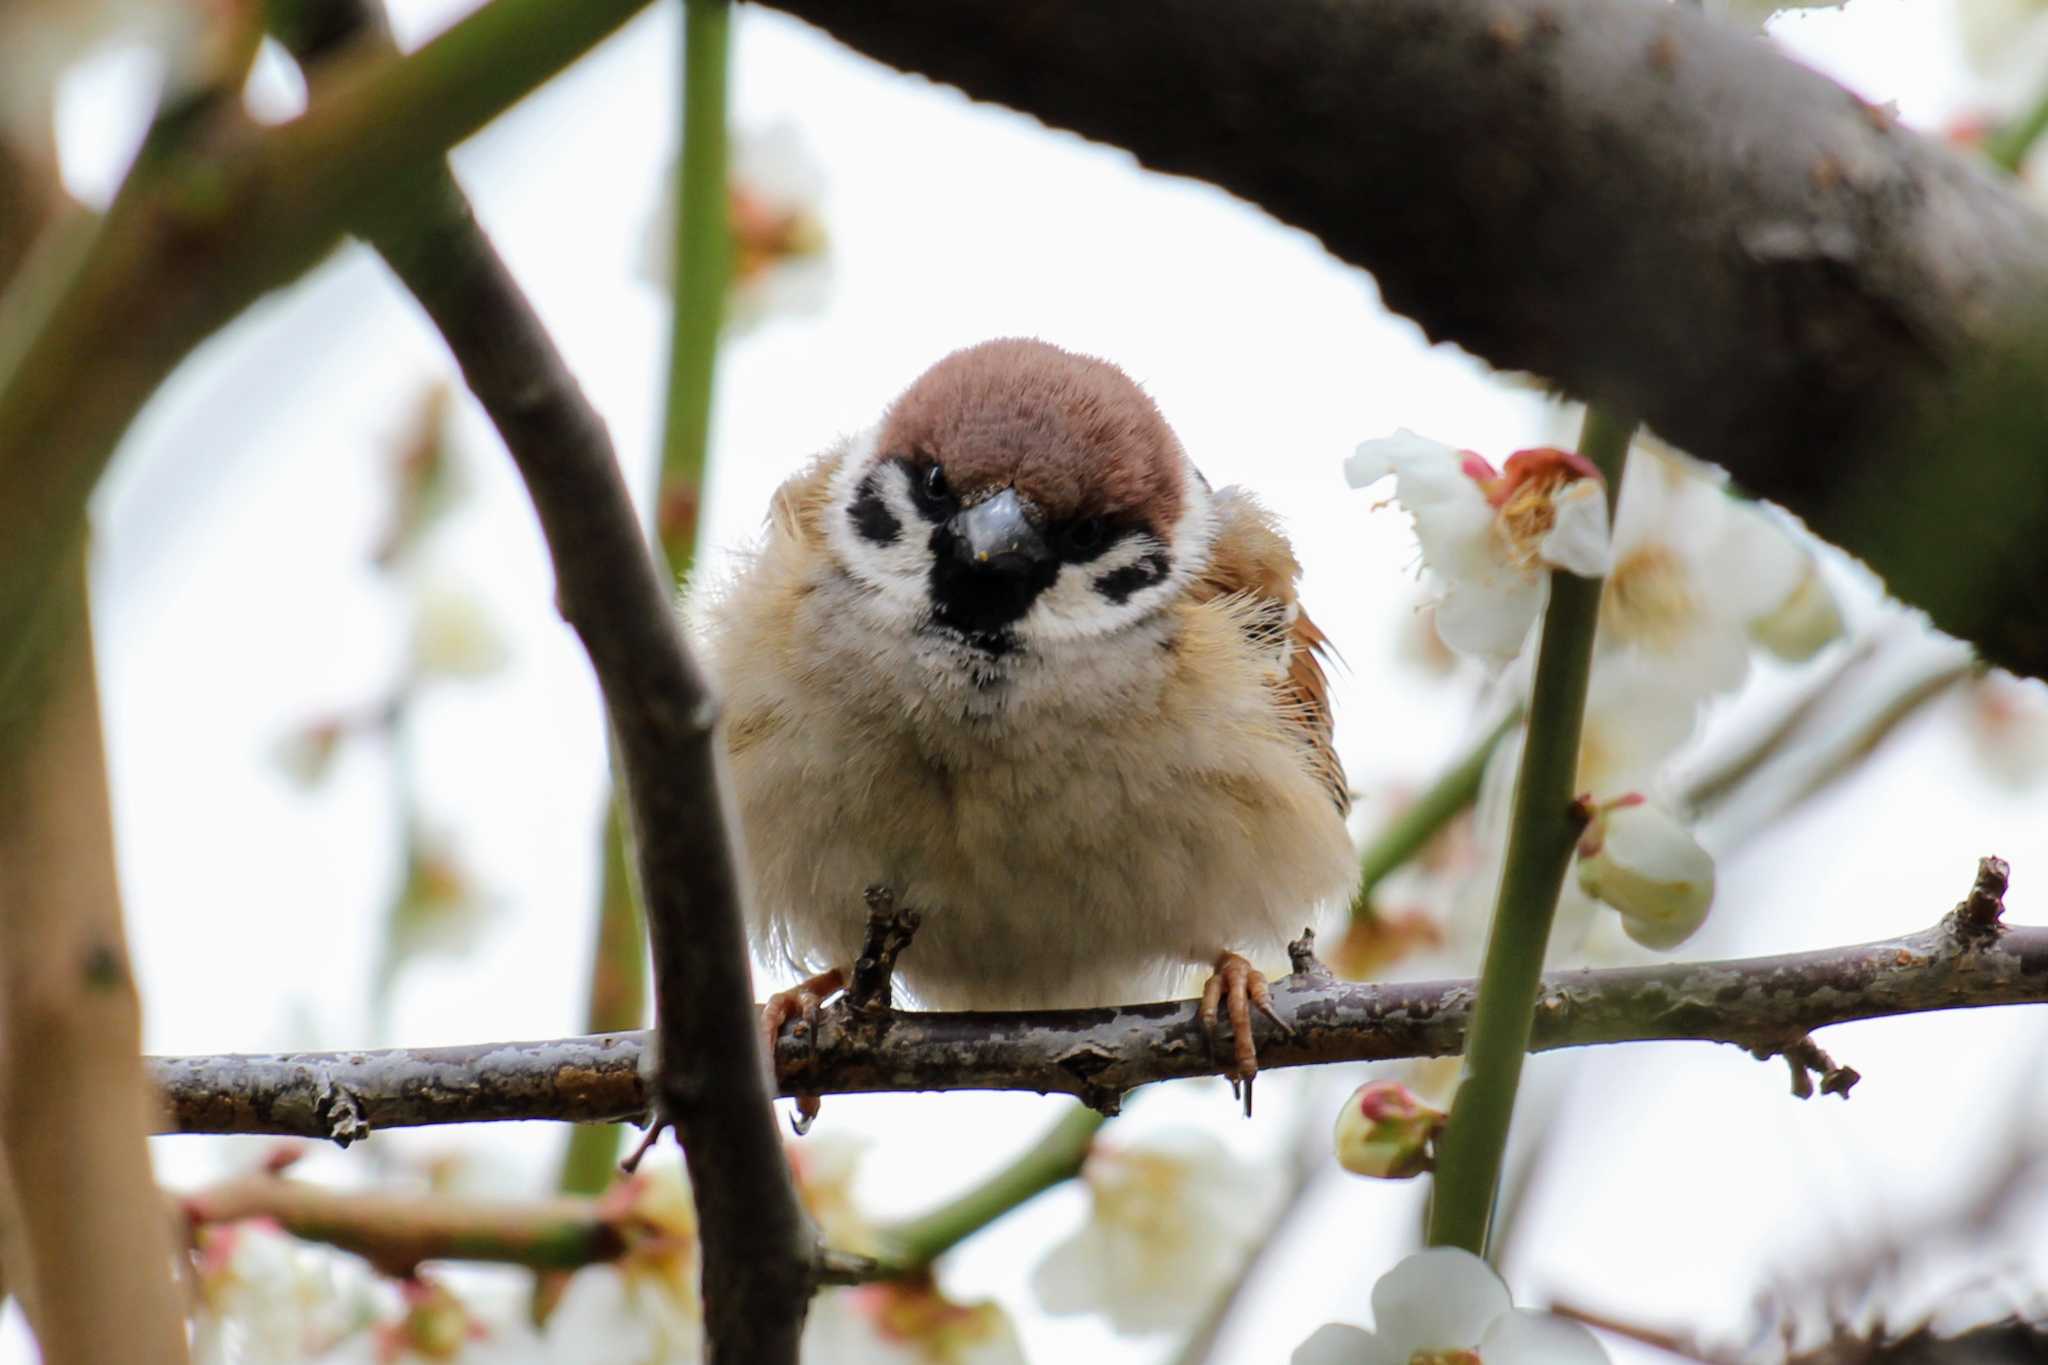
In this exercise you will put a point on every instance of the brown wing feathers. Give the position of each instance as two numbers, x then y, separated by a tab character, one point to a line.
1250	557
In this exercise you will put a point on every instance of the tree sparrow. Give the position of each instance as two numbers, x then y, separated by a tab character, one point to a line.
1007	654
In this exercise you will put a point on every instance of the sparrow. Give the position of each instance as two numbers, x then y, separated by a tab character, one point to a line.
1009	655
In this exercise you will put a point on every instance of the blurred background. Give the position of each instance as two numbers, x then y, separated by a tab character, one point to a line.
359	770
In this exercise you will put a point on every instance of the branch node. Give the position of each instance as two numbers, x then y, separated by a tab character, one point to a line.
338	1111
1806	1058
890	928
1984	909
1302	960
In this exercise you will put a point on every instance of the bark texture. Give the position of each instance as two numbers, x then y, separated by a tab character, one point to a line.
1648	207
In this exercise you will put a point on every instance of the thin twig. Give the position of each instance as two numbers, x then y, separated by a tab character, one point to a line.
1099	1054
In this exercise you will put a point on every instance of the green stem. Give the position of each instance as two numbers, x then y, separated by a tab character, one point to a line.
2007	148
617	999
1545	827
703	251
1413	828
911	1247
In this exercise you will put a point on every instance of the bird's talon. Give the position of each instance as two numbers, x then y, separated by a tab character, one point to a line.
799	1004
1237	987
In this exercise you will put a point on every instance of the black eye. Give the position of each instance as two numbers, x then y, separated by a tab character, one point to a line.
934	483
1082	538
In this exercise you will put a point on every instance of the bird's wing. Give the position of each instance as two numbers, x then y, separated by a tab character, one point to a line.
1250	559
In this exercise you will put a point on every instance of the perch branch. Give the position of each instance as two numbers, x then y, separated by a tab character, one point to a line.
1648	206
1767	1003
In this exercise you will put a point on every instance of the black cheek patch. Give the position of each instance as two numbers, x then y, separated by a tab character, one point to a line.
1118	584
871	516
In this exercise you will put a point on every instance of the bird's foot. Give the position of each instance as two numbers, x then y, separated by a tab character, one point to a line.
800	1003
1238	986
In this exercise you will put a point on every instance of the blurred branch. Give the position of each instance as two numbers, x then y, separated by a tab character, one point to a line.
1058	1156
397	1232
1764	1003
1409	832
83	1246
216	211
1641	203
702	272
1543	830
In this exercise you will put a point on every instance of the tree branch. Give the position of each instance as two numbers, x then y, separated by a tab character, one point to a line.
88	1257
1647	206
758	1246
1766	1004
215	212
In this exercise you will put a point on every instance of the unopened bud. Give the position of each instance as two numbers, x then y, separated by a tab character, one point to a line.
1641	861
1383	1131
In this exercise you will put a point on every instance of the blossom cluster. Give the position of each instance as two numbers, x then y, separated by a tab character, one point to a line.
1697	581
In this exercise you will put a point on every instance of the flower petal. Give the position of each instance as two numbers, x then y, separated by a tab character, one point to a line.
1577	541
1654	872
1488	623
1441	1299
1522	1337
1339	1343
1376	459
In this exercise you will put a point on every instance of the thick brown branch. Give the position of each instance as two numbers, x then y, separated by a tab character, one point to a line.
1649	207
757	1243
1769	1004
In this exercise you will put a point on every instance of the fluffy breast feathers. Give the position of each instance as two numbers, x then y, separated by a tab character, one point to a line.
1087	820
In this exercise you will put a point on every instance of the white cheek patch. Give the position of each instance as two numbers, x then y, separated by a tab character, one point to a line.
1129	582
898	569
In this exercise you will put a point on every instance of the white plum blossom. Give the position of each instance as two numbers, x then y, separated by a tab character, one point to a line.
453	636
906	1323
1491	538
1445	1306
1639	859
265	1298
1172	1223
780	264
1700	575
1634	724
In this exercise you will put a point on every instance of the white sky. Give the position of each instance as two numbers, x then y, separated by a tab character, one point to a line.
236	602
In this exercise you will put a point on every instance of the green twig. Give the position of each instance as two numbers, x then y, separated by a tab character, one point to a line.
2007	147
1545	826
703	251
200	230
1411	830
912	1246
617	999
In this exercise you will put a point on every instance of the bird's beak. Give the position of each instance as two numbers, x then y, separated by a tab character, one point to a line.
996	534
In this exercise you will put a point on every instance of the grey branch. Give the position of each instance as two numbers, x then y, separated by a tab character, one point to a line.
1649	207
758	1261
1767	1005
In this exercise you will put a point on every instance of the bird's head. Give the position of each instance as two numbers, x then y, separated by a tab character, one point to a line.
1018	493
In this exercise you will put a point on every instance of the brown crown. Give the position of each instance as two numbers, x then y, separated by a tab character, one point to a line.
1071	433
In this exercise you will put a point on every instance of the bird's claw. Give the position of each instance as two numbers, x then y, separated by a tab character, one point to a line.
1238	987
800	1003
